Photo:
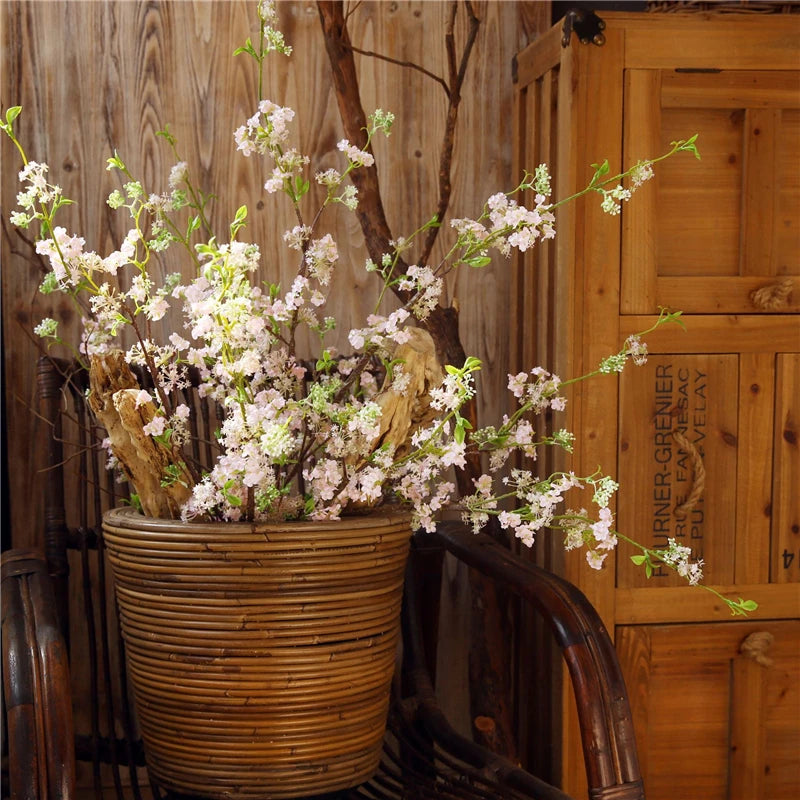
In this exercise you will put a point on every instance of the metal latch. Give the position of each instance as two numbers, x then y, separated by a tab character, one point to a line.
587	25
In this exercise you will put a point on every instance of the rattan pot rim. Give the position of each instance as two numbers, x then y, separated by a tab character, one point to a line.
126	517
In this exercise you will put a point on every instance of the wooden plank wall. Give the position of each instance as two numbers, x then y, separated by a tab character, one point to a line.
95	77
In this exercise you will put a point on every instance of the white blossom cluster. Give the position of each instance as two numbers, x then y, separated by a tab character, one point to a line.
283	423
678	556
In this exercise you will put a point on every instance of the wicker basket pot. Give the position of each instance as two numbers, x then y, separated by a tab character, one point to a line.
260	655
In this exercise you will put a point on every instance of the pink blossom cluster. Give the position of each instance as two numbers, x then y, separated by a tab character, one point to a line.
286	424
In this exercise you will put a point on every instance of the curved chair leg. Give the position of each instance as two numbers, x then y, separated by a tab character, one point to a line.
36	682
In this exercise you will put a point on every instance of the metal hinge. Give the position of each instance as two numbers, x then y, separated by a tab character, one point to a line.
587	25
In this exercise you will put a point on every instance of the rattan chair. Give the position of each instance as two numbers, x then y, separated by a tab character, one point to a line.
424	757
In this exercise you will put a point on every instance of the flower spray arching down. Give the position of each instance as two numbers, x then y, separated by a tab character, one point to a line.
314	438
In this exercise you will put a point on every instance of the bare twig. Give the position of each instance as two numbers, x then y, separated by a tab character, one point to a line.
406	64
456	78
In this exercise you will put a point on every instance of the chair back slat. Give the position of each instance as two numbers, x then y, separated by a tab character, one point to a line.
78	489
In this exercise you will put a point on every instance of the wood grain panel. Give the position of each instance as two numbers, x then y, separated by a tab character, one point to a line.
689	191
787	210
723	295
679	396
762	134
651	605
764	42
642	137
723	333
593	297
725	77
748	731
753	468
109	75
785	565
694	683
731	89
726	229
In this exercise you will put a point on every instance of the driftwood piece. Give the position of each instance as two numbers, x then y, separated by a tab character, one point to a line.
113	400
403	412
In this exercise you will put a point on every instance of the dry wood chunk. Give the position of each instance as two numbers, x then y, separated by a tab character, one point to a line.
113	396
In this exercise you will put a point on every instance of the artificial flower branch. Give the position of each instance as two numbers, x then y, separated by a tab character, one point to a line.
315	438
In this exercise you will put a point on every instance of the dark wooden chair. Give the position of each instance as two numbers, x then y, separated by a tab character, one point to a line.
424	757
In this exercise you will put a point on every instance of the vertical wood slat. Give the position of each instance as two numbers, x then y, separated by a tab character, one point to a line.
753	467
642	140
542	279
786	471
534	144
521	302
748	732
759	195
595	96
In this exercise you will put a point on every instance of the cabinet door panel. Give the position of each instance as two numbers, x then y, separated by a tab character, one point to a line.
716	708
677	462
726	236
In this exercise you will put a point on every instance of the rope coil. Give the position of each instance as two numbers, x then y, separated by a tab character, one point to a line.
755	646
773	296
698	476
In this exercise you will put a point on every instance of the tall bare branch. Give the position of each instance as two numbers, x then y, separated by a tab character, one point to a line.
490	651
457	74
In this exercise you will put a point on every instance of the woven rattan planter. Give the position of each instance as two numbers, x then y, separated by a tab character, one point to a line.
261	656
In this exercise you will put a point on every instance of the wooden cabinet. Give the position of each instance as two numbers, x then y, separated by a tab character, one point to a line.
713	418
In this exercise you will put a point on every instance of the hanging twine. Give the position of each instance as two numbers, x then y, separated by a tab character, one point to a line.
698	473
755	646
768	298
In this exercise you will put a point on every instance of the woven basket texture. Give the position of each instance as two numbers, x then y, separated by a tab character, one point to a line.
261	656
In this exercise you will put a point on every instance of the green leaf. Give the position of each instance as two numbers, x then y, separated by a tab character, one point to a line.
688	146
194	224
300	187
472	364
478	261
238	220
11	114
166	135
246	48
115	162
600	170
748	605
638	560
135	502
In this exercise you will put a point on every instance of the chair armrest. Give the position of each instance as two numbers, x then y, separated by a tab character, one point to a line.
604	714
